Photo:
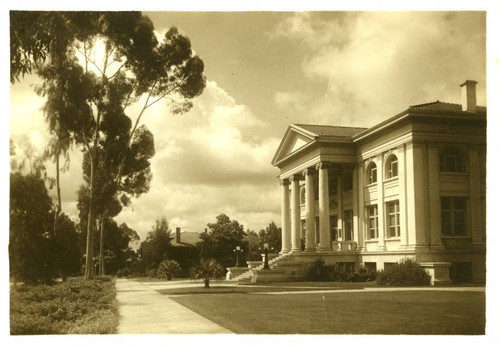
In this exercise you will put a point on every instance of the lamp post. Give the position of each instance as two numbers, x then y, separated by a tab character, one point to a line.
266	251
238	250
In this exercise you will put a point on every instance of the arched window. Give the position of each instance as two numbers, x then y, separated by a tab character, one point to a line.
371	173
451	160
391	166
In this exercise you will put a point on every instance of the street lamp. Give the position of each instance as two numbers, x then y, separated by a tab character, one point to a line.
238	250
266	251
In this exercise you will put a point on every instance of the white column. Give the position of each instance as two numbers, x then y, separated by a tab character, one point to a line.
285	217
310	212
355	209
361	205
434	196
403	211
379	161
295	213
475	197
340	206
324	209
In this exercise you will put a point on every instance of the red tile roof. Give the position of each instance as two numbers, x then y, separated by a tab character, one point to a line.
332	131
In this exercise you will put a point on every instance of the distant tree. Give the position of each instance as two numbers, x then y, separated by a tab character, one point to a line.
224	235
207	270
159	243
253	243
272	236
30	248
67	247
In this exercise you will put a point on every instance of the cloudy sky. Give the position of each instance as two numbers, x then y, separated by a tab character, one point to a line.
265	71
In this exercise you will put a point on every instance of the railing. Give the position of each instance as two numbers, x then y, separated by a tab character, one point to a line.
344	246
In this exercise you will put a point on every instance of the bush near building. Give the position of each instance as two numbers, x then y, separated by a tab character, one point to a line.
406	273
76	306
320	271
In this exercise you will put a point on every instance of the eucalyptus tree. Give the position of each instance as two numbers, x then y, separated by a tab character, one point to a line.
95	65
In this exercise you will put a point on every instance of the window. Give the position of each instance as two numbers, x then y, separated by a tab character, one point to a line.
453	216
333	228
371	173
393	219
347	182
392	166
372	222
348	225
302	195
451	160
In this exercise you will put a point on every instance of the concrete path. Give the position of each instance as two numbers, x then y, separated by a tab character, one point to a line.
145	311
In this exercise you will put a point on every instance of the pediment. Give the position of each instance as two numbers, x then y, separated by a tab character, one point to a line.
294	139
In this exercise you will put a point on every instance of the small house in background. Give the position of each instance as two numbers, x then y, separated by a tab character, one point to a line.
411	186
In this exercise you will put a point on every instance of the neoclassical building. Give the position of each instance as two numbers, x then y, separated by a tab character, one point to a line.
411	186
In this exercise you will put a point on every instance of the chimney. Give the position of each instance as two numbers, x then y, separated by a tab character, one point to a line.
177	235
469	96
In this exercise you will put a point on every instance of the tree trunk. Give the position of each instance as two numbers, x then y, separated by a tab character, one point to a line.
89	260
207	283
58	188
101	248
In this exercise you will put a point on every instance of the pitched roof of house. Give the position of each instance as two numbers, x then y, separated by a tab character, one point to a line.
187	238
438	106
331	131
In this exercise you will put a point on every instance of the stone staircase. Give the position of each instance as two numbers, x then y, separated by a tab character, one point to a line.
246	278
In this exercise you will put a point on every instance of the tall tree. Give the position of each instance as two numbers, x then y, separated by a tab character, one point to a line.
224	236
158	240
134	66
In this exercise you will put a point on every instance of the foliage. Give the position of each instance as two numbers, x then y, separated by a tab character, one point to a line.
87	97
207	270
319	271
407	272
30	249
186	256
168	269
72	307
157	243
253	243
67	248
224	235
272	236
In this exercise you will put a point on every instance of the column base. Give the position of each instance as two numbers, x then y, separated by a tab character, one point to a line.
296	250
437	246
324	250
285	251
310	250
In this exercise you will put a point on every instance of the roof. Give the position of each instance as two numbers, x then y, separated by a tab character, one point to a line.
188	238
438	106
331	131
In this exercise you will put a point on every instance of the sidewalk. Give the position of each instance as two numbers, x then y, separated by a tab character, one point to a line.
145	311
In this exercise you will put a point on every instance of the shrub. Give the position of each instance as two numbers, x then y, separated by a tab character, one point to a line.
168	269
207	270
123	272
151	273
75	306
406	273
318	271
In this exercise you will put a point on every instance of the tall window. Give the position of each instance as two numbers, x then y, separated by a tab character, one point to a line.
347	181
333	228
392	166
393	219
348	225
453	216
371	172
372	221
302	195
451	160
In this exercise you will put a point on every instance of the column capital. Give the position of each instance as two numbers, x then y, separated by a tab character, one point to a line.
323	165
309	171
295	177
285	182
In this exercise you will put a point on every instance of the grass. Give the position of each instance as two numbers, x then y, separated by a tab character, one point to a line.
76	306
392	312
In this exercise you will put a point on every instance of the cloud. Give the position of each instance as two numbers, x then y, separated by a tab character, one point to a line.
375	64
209	161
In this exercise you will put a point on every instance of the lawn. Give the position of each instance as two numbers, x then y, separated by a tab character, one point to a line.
391	312
76	306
